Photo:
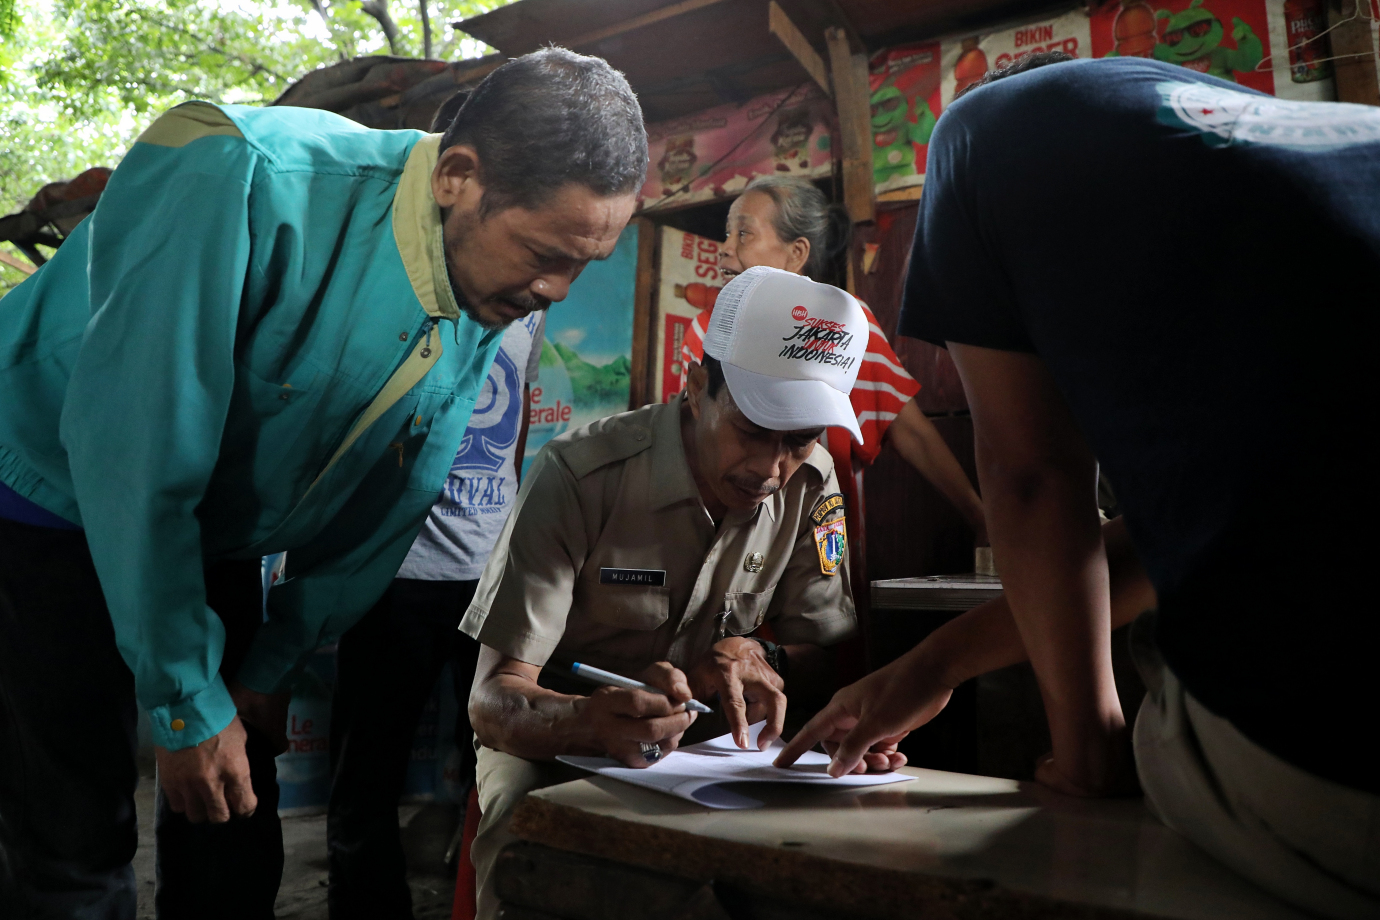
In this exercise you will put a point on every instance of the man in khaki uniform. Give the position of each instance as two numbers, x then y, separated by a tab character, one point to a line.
655	543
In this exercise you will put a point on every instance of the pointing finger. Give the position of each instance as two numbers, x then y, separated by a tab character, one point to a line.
817	729
852	748
735	710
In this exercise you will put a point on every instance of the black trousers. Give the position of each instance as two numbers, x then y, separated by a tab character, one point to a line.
68	737
387	666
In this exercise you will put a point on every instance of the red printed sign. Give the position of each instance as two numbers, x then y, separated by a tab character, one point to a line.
904	83
689	283
1229	39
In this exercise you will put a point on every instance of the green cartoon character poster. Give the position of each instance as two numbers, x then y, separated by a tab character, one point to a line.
1192	38
904	83
1227	39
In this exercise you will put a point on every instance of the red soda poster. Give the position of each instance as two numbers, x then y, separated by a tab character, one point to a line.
689	282
1275	46
967	59
1228	39
904	87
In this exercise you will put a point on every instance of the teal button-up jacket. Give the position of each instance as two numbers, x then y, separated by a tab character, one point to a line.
250	346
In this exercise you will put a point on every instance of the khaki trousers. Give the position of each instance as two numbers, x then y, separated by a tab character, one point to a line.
503	780
1307	840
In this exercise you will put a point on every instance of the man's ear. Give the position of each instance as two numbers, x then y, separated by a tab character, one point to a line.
455	180
695	383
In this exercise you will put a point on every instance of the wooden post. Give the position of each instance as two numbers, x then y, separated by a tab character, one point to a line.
641	386
855	124
800	48
1355	64
17	263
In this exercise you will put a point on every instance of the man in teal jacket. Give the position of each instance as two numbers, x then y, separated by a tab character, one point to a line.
269	336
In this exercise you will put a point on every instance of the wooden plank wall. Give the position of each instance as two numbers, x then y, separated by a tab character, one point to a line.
911	528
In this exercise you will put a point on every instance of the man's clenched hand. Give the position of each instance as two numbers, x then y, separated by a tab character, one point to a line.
209	782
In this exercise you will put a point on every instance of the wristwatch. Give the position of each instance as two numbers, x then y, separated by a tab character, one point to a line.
776	656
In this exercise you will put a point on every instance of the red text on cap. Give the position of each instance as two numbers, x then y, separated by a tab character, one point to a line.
799	312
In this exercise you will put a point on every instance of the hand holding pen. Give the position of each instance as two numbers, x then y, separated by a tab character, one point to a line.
639	721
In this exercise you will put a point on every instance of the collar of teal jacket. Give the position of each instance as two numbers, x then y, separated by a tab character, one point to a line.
417	231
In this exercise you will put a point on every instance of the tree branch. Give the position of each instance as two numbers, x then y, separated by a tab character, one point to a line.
256	66
379	10
320	8
426	30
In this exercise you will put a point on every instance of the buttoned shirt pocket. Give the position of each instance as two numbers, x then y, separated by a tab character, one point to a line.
444	427
641	607
266	421
749	610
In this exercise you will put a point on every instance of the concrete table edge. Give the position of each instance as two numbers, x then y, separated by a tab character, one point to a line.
786	873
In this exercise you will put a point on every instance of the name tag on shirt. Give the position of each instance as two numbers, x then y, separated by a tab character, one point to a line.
638	577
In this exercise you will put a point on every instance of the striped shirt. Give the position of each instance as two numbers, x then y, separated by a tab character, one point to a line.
883	385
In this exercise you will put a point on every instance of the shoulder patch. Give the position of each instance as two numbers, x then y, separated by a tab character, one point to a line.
612	445
182	124
828	508
831	532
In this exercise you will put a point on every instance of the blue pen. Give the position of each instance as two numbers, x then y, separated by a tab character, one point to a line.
608	679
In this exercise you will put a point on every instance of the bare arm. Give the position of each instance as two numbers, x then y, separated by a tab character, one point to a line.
511	713
919	442
904	695
1040	481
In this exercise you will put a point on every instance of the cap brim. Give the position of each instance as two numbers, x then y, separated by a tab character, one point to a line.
789	405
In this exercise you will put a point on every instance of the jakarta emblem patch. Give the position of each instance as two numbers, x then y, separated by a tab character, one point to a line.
831	532
831	540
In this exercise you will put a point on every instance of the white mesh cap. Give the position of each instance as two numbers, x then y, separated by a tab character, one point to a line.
790	349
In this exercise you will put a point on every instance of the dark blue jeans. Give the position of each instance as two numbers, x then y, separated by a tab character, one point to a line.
67	752
387	666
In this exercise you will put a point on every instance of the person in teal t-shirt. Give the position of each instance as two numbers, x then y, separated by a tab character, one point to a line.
268	337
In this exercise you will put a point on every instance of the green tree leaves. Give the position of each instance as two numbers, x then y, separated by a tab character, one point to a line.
79	79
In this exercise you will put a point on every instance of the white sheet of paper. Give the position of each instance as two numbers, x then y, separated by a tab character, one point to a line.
698	772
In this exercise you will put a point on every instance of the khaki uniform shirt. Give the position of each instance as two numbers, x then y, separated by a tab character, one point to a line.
611	559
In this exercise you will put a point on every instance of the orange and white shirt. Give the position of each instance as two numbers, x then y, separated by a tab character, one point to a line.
883	386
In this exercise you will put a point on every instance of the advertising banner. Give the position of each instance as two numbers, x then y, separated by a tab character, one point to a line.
586	360
904	83
1275	46
714	153
689	282
967	59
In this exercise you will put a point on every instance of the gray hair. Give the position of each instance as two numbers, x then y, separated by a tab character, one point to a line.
803	211
547	119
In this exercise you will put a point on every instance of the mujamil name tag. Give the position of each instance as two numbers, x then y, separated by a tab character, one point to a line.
655	577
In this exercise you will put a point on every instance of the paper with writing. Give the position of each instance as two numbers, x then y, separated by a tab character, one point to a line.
707	773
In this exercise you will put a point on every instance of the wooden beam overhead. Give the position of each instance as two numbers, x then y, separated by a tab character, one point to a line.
855	124
800	48
637	22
